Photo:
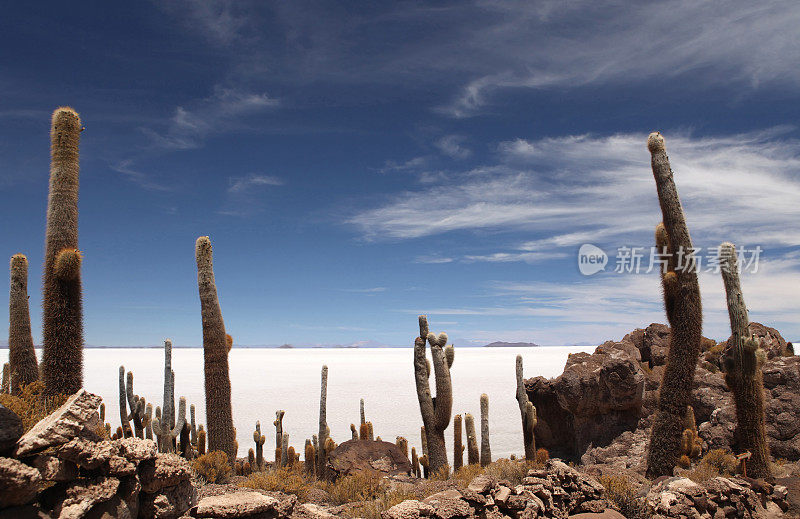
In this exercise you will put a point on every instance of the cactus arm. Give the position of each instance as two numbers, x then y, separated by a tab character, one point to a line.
444	389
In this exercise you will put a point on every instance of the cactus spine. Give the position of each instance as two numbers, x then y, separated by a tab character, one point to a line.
528	413
486	450
473	457
458	447
21	355
167	434
684	313
219	413
743	371
62	355
322	453
435	411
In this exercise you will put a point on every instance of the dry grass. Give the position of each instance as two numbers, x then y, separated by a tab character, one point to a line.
718	462
620	491
32	405
213	466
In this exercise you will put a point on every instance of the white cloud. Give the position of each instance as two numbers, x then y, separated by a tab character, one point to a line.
433	259
244	184
564	191
452	146
225	110
371	290
143	180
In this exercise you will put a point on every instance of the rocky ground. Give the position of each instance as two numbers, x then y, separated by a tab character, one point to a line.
595	416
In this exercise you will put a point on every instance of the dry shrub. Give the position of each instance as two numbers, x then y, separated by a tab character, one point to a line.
32	405
718	462
291	479
213	467
372	509
620	491
467	473
361	486
510	470
542	455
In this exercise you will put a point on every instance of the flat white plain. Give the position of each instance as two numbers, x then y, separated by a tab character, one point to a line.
265	380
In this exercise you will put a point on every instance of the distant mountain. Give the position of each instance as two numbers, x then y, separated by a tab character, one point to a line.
500	344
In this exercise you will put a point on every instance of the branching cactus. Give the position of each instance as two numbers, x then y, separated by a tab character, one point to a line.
21	355
166	434
743	364
685	316
136	404
168	410
486	449
324	431
435	410
528	413
473	456
458	446
62	353
259	439
278	423
219	412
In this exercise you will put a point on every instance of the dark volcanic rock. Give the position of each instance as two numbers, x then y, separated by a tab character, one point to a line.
598	397
368	456
10	429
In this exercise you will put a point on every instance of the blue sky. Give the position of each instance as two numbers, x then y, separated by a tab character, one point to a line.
359	163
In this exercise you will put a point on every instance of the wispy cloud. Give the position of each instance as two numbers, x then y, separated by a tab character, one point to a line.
433	259
142	180
225	110
371	290
244	184
452	146
218	20
568	190
410	165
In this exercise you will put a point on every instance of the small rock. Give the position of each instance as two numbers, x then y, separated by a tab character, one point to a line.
312	511
482	484
54	469
230	506
10	429
19	483
167	503
77	418
448	505
80	497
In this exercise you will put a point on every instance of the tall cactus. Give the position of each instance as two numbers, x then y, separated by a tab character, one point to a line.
685	316
435	411
219	412
473	456
136	403
363	415
168	409
192	426
458	446
21	355
486	449
528	413
62	354
324	431
278	423
259	440
743	371
167	434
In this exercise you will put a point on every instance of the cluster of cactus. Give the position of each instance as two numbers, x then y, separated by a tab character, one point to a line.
691	446
684	313
23	367
62	353
742	364
435	411
528	413
216	346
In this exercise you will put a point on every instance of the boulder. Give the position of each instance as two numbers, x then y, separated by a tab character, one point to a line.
379	457
408	509
80	497
19	483
449	504
54	469
235	505
608	514
312	511
77	418
772	341
596	398
167	503
10	429
167	470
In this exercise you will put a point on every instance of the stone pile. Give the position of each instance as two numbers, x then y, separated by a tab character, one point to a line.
556	491
717	498
62	469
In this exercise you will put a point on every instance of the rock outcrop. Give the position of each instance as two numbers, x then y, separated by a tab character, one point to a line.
594	411
62	469
10	430
379	457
